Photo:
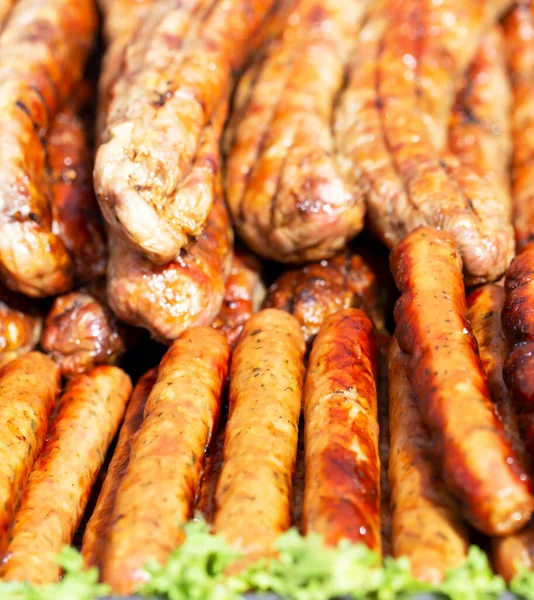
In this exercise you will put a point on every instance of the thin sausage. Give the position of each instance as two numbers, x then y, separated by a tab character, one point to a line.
514	553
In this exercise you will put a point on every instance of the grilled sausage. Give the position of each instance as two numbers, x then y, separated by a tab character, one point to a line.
427	527
519	36
253	494
285	191
186	292
21	323
150	175
29	387
514	553
384	444
243	296
155	497
81	332
480	133
75	211
59	485
342	485
484	309
321	289
391	122
446	375
44	46
95	534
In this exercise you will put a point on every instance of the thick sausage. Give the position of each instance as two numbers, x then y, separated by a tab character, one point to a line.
44	46
178	68
95	535
342	485
484	309
81	331
155	497
29	386
514	553
60	483
243	296
253	495
444	369
427	527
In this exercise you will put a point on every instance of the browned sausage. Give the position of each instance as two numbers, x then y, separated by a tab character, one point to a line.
342	486
155	497
59	485
427	527
29	386
44	47
444	369
243	296
95	535
253	495
514	553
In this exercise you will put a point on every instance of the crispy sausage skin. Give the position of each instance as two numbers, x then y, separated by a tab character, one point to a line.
318	290
391	123
29	387
253	494
21	323
44	46
151	180
81	332
514	553
484	310
286	194
59	485
426	523
342	484
74	208
95	535
480	130
519	36
243	296
155	497
446	374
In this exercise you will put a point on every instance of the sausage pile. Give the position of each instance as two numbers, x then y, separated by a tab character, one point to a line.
322	214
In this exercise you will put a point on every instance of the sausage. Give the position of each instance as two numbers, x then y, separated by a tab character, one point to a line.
446	374
286	193
384	342
480	133
318	290
519	37
95	534
426	523
74	209
81	332
21	323
484	309
253	496
59	485
44	47
6	6
342	485
149	170
186	292
391	122
514	553
243	296
29	387
155	497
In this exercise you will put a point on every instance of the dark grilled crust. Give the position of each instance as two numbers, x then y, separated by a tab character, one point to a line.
444	369
342	485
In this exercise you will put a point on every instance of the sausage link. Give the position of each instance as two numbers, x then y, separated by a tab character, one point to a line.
253	494
60	483
427	527
446	374
342	485
514	553
29	386
95	535
155	497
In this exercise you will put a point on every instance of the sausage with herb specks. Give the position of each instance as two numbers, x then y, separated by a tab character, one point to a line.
446	374
342	483
253	494
155	497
